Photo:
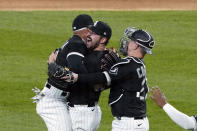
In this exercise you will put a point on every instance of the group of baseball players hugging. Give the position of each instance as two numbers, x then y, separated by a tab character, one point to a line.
83	67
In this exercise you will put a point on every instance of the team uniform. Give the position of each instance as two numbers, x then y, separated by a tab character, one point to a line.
83	101
127	93
52	106
128	97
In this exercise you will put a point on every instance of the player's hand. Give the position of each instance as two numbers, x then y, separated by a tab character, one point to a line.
53	57
158	97
71	77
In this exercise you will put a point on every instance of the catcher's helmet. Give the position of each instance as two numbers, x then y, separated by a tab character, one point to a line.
125	40
141	37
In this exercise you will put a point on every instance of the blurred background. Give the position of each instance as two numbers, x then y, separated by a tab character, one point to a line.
98	4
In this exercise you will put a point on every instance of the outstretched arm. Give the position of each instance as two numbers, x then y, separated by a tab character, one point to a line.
178	117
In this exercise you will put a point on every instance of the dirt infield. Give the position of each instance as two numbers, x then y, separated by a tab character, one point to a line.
98	5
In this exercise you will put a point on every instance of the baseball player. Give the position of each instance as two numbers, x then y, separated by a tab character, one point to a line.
83	102
183	120
129	83
51	101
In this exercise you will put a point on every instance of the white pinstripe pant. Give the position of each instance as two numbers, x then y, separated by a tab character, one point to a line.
85	118
53	109
129	124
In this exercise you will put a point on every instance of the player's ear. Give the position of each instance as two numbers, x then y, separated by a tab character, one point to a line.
103	40
135	46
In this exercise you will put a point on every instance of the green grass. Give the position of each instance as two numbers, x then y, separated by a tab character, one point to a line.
27	39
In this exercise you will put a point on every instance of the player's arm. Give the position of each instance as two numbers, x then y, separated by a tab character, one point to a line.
100	77
105	77
75	56
178	117
109	59
94	78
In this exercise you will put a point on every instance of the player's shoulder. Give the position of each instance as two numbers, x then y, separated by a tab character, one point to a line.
121	63
134	60
75	39
95	56
99	54
130	61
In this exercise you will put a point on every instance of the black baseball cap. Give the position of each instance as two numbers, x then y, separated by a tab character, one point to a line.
101	28
81	21
144	39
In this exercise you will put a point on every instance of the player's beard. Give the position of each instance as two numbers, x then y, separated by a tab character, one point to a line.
92	44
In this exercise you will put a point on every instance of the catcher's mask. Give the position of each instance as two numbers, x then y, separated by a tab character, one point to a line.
141	37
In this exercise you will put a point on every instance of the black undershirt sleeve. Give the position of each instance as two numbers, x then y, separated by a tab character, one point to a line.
92	78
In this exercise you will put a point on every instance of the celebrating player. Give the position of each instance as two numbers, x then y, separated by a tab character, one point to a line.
128	81
83	101
183	120
52	100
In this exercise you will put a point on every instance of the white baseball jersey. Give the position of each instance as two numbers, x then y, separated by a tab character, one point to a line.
85	118
130	124
53	109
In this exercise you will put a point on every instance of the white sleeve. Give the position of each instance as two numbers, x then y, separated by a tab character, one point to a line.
180	118
108	78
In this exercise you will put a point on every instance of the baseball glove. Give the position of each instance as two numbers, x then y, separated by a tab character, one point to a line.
110	58
58	72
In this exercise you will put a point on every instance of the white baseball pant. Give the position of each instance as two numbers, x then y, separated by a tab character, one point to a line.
85	118
130	124
53	109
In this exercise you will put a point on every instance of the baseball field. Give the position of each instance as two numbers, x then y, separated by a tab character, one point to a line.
28	37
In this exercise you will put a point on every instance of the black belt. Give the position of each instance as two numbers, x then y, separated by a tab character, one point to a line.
89	105
135	118
49	86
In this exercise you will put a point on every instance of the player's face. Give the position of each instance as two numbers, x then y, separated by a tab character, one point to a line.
93	40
